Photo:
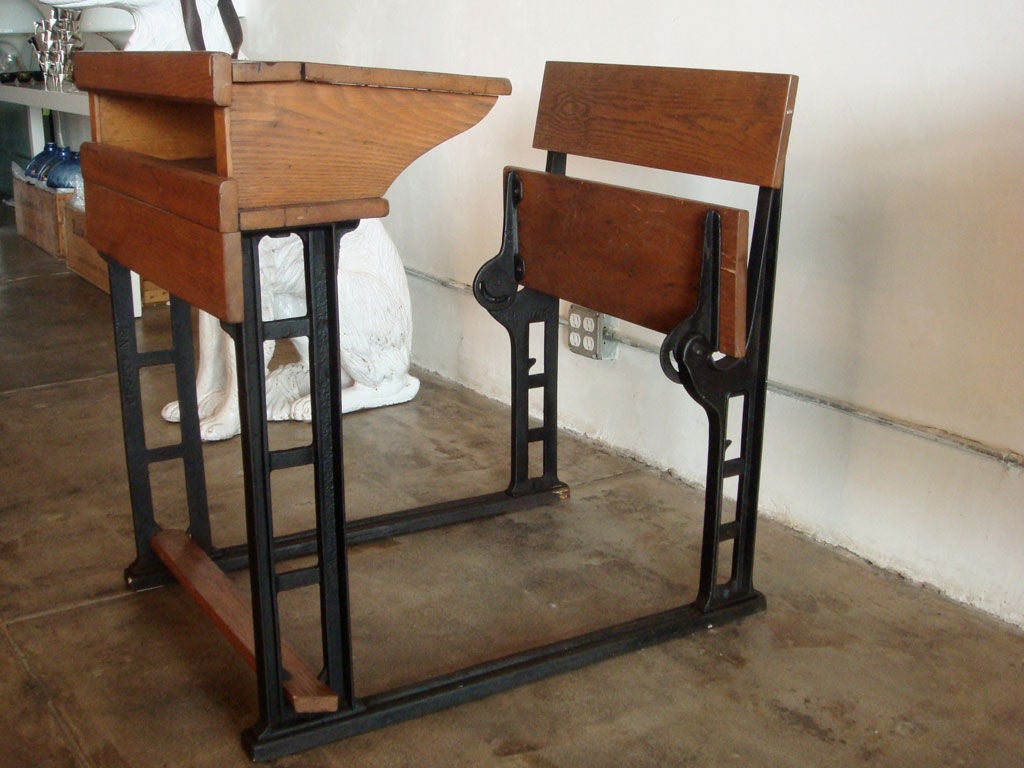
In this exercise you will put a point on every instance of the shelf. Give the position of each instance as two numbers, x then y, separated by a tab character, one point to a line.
70	100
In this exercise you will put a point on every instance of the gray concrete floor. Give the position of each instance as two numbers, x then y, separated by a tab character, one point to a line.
849	665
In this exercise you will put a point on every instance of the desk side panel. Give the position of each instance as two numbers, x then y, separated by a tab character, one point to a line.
204	198
196	263
306	143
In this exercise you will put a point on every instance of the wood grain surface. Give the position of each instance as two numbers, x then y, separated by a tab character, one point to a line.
304	142
232	615
630	254
194	76
726	125
338	74
198	264
200	197
165	129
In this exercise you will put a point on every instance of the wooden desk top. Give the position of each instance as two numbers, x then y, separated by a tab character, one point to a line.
208	77
191	148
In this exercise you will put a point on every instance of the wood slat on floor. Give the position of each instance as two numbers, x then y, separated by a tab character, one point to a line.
232	614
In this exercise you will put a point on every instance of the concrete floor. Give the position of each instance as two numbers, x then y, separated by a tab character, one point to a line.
849	665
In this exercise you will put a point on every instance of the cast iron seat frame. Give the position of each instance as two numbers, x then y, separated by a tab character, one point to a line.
725	125
290	721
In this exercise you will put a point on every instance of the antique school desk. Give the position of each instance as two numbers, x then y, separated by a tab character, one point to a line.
195	157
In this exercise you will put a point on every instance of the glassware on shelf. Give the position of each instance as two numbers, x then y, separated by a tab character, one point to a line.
55	41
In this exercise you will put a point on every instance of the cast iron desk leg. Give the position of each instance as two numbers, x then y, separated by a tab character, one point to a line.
320	324
147	570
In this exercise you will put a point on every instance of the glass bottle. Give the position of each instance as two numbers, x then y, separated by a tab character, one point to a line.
66	173
63	153
32	169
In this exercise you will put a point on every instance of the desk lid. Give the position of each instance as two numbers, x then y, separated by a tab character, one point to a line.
206	78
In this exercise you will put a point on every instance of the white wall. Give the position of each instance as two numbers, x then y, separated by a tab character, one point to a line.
901	271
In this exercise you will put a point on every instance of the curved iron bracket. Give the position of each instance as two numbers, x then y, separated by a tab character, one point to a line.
688	351
497	288
497	281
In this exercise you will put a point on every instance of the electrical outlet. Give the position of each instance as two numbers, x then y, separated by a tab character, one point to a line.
587	334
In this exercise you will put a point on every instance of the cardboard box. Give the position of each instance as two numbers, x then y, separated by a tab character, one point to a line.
43	217
39	215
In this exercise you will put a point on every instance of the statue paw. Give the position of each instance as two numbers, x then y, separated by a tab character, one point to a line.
302	409
171	412
358	397
208	405
286	385
214	429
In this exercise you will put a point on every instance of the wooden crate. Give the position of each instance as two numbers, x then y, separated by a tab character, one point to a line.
81	257
39	214
85	261
153	293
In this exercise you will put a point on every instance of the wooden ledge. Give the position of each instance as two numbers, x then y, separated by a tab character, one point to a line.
198	77
232	615
340	74
299	215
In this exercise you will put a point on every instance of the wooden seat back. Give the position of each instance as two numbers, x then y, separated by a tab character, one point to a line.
725	125
637	255
630	254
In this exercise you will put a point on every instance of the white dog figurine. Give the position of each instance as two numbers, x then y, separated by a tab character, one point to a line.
375	334
376	321
159	25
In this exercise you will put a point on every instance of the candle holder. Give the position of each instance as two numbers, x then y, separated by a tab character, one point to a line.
55	41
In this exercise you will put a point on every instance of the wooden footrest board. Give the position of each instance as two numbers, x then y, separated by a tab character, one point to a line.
232	615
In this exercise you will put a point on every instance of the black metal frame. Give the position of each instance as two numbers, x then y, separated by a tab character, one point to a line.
686	357
147	570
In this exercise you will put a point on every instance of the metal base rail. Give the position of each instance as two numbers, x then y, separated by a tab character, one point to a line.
483	680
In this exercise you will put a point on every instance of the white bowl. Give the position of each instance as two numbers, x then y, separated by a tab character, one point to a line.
104	19
18	17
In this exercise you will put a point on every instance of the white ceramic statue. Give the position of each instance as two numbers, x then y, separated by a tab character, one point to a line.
158	23
376	321
375	327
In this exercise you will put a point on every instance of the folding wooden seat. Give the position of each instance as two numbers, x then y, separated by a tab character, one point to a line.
681	267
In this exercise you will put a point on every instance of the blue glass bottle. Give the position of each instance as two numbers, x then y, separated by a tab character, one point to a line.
32	169
63	153
66	174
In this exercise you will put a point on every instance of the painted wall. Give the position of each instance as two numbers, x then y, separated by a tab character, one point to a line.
901	284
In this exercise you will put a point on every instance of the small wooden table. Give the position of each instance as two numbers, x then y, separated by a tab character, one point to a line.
194	158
